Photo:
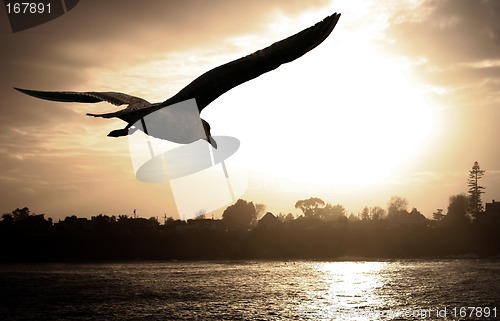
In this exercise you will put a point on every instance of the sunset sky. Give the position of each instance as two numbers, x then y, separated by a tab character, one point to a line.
401	99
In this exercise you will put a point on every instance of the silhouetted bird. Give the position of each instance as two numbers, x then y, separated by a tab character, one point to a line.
207	87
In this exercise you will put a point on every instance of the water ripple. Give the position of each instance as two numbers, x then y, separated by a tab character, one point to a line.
248	290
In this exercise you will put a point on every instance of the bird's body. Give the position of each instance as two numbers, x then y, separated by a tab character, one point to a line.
207	87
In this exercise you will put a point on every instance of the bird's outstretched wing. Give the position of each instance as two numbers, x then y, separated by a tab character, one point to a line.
207	87
86	97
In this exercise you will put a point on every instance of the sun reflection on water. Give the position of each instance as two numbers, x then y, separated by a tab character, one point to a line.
251	290
347	288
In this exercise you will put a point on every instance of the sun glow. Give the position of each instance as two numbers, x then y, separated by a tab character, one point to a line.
344	114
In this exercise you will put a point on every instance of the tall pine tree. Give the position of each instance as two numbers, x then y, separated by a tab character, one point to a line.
475	191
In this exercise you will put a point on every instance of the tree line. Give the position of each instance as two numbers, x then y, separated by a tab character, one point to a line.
322	231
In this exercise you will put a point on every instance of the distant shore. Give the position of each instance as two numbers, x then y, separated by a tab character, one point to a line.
211	240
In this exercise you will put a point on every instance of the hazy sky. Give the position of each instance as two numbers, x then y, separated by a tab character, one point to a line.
401	99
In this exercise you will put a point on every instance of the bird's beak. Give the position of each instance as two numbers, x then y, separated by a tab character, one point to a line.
212	142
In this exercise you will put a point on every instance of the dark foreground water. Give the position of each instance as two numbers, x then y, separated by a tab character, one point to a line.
253	290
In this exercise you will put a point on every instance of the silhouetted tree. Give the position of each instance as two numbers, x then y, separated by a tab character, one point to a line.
169	221
373	213
377	213
7	222
457	210
475	190
285	218
331	212
397	209
102	222
365	214
289	217
73	224
20	214
438	215
310	206
240	216
122	218
353	218
396	206
153	221
201	214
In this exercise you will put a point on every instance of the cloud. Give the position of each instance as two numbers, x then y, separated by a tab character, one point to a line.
448	32
457	43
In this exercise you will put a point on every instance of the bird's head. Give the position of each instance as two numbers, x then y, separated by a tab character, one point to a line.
209	138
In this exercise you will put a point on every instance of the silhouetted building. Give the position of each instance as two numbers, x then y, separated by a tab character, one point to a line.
491	214
268	221
493	207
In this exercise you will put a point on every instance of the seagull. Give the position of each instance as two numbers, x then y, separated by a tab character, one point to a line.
204	89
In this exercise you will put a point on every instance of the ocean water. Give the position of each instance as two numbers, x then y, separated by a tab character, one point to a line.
253	290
